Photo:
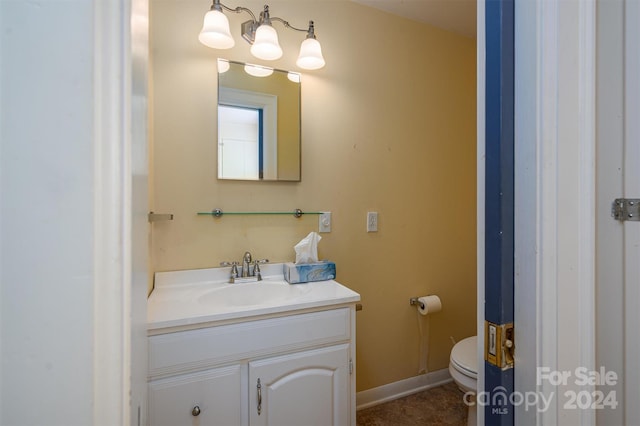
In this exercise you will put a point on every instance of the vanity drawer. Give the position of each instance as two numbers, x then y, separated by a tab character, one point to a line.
196	349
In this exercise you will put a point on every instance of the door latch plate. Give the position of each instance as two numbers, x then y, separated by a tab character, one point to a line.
499	344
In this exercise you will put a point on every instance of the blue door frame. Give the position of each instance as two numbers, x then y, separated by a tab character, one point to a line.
499	198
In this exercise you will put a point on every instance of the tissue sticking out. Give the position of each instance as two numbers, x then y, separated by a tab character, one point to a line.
307	249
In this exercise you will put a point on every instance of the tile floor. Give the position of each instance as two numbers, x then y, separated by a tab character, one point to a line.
441	405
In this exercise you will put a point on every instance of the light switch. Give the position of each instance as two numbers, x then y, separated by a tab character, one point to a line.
372	221
324	222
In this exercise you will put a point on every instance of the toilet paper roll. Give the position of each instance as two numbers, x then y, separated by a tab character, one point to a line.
429	304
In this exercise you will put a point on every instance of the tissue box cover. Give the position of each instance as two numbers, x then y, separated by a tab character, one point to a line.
306	272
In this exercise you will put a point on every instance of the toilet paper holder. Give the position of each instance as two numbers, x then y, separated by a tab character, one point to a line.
414	301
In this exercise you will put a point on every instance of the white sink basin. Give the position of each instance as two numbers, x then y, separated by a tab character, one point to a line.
253	293
198	296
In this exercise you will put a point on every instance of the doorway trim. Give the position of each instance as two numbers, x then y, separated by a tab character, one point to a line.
480	188
555	201
112	214
120	206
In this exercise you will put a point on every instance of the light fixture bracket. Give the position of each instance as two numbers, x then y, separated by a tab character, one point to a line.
248	28
311	32
248	31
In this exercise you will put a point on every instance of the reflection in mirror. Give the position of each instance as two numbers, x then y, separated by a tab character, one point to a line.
258	123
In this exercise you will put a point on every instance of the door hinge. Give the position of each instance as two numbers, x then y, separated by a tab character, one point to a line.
350	366
624	209
499	344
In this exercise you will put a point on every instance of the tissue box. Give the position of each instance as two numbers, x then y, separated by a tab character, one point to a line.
306	272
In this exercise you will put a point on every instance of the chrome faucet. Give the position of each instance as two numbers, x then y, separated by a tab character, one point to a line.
247	270
256	268
234	270
246	262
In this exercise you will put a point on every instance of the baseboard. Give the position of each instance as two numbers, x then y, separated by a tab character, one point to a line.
395	390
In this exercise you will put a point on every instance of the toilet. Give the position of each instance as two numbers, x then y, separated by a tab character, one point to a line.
463	367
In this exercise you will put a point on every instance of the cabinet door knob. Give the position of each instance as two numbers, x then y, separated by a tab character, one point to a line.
196	411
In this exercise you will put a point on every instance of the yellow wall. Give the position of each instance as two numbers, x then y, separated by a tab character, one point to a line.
388	126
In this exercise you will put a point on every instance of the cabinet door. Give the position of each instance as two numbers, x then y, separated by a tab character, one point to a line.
210	397
301	389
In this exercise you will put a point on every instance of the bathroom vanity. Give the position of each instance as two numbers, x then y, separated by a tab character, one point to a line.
250	353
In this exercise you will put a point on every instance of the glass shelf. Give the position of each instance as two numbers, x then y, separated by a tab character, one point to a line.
219	213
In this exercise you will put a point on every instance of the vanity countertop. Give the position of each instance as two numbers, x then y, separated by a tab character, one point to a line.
190	298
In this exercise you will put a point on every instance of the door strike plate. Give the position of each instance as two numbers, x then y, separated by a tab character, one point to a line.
624	209
499	344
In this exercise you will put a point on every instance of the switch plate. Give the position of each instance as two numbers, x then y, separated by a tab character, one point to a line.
372	221
324	222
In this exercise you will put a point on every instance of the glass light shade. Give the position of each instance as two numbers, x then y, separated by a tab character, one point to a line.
266	44
257	70
310	57
215	31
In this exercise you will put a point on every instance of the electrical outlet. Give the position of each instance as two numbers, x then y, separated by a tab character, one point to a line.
324	222
372	221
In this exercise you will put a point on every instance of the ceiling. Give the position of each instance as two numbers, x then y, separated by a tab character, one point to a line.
453	15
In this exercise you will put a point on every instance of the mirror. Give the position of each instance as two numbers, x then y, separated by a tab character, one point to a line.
258	123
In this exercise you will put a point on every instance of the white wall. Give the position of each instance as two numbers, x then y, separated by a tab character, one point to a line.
46	212
66	222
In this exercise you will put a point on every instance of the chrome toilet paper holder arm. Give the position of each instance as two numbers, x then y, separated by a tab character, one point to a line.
414	301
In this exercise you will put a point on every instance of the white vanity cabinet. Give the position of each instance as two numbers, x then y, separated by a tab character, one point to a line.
282	369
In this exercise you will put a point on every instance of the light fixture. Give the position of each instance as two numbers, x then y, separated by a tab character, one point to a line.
266	46
310	57
215	29
260	34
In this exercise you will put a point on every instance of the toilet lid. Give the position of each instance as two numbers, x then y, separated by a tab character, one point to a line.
464	356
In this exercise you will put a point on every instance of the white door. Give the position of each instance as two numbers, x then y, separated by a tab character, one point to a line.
632	229
301	389
555	224
206	398
618	247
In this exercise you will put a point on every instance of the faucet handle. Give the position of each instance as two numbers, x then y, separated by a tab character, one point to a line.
234	270
256	268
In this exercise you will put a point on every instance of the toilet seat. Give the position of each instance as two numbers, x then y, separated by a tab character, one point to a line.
464	356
